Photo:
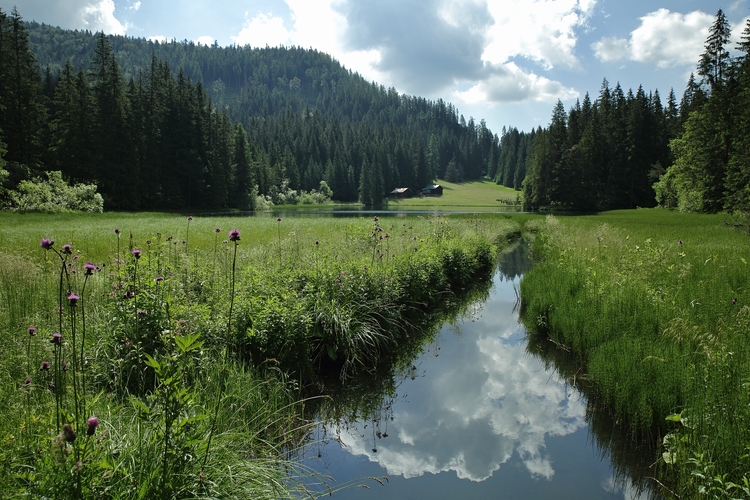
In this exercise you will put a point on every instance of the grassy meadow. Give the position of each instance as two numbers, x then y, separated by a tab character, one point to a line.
155	356
483	194
655	306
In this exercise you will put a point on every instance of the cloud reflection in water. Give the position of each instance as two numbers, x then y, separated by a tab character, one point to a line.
475	406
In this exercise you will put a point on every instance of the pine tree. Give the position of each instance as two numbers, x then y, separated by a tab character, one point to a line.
714	62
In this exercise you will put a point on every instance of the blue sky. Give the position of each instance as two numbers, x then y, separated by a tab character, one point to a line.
504	61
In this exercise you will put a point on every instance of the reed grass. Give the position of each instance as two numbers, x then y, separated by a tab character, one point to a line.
188	344
654	305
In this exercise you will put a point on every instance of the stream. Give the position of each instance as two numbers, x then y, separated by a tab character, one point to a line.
476	415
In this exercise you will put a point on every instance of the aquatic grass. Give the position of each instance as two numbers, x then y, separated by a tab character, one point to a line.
647	302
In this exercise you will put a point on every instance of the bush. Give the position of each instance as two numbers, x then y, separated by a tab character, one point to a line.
54	195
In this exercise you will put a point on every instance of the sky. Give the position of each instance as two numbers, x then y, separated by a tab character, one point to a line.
503	61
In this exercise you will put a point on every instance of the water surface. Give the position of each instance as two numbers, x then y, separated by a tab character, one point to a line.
474	416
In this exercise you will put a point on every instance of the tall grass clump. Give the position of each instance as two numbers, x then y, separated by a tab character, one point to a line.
654	307
136	370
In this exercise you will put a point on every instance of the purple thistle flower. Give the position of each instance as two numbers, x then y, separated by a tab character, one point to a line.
679	242
190	218
44	367
31	330
47	243
159	279
56	338
90	268
129	294
278	219
141	312
734	301
117	231
375	219
218	230
64	366
75	257
317	242
67	248
73	299
27	381
92	424
136	253
234	235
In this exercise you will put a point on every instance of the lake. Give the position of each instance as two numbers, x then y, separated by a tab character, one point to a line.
477	415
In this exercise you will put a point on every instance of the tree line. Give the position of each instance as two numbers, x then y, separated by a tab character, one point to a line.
179	125
711	170
628	150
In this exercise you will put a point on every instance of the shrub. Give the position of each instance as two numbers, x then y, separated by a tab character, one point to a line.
54	195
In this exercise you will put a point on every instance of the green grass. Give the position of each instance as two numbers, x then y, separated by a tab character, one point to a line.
655	306
196	379
468	195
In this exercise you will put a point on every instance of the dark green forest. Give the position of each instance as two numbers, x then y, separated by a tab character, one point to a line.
628	150
179	125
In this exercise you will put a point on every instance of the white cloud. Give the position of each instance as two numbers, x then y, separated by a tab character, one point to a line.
135	6
509	83
158	38
664	38
100	16
262	30
541	30
205	40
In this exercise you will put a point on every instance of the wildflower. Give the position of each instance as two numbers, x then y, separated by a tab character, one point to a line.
234	235
141	312
73	299
159	279
317	242
47	243
56	338
117	231
278	219
67	248
129	294
375	219
44	367
64	366
190	218
68	433
31	330
679	242
92	424
75	257
136	253
734	301
218	230
27	381
90	268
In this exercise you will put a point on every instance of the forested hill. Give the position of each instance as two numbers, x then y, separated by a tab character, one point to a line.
173	125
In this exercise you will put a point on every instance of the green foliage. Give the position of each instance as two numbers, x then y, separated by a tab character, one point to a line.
195	378
653	305
54	195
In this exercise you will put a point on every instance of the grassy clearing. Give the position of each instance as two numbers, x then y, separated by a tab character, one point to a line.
469	195
656	307
191	349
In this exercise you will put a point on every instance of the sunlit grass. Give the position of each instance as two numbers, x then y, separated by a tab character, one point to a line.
654	304
197	382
